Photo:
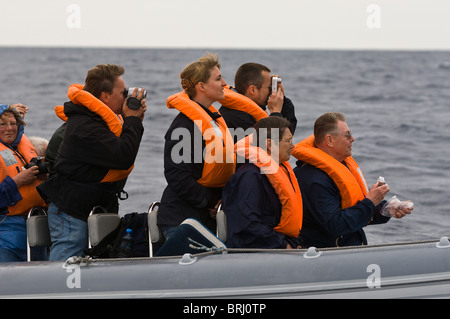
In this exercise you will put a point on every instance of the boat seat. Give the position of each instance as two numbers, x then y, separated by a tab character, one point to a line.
100	224
222	229
155	234
38	233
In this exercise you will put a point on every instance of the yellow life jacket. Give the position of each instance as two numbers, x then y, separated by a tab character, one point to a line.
11	164
236	101
284	183
348	178
80	97
220	160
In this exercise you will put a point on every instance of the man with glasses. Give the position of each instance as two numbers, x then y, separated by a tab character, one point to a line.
336	199
18	185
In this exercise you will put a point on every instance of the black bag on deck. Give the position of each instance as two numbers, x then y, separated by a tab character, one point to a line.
110	246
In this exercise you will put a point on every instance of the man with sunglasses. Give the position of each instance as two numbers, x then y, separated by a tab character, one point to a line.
96	155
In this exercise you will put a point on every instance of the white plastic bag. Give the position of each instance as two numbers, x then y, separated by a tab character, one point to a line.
393	205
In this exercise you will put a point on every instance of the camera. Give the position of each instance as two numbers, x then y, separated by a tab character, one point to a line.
132	102
44	167
275	81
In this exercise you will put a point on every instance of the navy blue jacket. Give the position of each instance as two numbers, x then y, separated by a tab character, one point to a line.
253	210
325	224
184	197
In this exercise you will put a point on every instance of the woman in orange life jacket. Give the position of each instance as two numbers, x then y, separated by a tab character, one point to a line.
262	200
18	185
199	152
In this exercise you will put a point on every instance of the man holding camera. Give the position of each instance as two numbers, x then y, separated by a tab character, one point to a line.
253	80
95	157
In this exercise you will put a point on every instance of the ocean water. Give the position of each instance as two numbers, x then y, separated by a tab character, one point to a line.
397	105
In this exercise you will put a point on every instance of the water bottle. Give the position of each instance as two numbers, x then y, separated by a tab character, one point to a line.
126	244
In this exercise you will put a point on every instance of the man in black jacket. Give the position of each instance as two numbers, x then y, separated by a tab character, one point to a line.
254	81
95	157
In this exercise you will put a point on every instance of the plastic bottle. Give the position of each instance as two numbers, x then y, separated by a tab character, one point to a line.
126	245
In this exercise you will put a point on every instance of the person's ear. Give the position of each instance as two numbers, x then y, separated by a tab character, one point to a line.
104	97
269	146
201	86
329	140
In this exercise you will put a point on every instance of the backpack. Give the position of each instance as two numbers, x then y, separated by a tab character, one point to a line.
110	246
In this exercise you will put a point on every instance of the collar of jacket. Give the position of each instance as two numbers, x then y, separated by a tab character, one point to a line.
80	97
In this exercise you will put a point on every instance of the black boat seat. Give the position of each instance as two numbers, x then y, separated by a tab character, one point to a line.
100	224
222	230
155	234
38	234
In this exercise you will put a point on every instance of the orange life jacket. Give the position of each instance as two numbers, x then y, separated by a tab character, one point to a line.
220	160
59	110
284	183
236	101
80	97
348	178
11	164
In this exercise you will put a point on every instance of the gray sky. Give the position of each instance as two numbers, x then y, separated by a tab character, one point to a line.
296	24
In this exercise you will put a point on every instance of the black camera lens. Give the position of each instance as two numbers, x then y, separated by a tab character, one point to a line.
133	103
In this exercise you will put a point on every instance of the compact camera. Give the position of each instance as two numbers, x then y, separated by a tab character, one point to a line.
132	102
275	81
44	167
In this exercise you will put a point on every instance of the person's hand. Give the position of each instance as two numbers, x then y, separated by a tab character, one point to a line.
126	111
275	102
26	176
402	210
397	209
22	109
377	193
213	211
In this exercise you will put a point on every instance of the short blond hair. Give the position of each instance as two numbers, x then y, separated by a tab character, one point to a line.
198	71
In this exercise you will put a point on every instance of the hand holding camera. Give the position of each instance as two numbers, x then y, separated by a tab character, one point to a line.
43	167
276	96
135	102
26	176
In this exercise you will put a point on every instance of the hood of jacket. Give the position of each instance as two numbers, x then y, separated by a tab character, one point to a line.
20	129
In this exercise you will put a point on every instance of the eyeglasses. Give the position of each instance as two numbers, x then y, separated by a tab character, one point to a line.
347	134
4	126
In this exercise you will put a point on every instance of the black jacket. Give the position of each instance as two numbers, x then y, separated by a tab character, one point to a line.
184	197
240	119
88	151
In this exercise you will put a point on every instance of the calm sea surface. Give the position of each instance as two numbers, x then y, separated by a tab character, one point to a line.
397	105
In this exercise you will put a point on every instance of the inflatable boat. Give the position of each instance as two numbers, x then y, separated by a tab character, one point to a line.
398	270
